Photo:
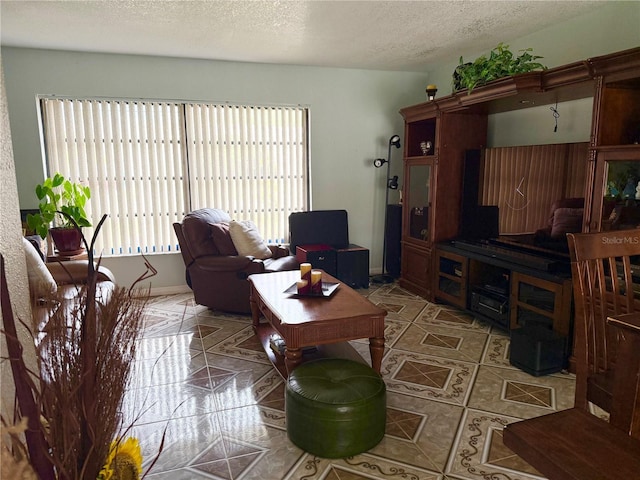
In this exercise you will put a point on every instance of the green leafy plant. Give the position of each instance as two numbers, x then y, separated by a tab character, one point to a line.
500	63
61	202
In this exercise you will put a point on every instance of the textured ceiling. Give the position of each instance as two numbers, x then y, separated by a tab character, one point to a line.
384	35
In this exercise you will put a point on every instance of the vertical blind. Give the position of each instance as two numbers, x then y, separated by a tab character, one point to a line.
148	163
255	157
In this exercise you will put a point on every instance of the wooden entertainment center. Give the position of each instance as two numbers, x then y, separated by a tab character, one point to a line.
432	265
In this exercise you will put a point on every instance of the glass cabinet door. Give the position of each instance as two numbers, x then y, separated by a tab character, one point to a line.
418	198
619	195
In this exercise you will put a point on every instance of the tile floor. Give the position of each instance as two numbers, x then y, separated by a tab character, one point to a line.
203	383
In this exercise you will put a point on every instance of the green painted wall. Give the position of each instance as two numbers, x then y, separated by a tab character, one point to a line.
353	112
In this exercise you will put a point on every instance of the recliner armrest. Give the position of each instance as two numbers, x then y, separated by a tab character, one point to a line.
221	263
278	251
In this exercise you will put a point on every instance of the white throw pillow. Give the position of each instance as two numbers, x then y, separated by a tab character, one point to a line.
247	239
41	282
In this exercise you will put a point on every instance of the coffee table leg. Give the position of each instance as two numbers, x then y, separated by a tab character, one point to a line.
376	348
255	313
292	358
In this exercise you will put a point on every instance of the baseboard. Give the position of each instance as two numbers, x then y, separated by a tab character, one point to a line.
172	290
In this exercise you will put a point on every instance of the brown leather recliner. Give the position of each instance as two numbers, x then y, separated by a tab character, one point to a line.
214	270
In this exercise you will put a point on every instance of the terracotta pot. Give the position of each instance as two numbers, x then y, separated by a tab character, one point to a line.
68	241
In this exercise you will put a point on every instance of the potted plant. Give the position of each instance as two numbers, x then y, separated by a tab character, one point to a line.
500	63
62	204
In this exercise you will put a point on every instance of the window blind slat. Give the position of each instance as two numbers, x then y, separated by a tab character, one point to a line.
147	163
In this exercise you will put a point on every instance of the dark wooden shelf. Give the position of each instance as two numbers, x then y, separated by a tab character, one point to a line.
560	84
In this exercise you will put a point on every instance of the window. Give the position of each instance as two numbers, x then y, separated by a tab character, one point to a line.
150	162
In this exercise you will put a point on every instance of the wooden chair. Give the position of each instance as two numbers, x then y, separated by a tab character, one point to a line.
598	295
573	444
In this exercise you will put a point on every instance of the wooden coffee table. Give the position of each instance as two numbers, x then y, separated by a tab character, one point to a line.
312	321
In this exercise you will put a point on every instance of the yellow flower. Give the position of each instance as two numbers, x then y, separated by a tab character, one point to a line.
124	461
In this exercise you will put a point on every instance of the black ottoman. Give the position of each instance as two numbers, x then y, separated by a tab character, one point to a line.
335	408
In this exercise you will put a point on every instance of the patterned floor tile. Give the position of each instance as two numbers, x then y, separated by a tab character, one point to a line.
428	376
164	323
242	344
359	467
398	308
497	351
479	453
181	440
204	387
450	317
419	432
167	369
454	343
393	329
513	392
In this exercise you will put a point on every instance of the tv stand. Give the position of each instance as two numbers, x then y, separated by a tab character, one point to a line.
516	253
505	286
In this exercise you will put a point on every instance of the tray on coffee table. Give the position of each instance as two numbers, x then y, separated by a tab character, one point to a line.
328	288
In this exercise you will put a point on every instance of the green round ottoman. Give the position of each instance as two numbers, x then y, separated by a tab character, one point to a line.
335	408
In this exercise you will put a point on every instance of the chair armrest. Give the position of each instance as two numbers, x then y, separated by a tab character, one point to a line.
278	251
76	271
221	263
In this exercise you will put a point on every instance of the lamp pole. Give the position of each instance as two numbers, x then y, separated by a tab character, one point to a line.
391	184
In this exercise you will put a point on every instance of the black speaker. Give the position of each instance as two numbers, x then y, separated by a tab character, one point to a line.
393	236
353	266
321	256
471	181
537	350
477	222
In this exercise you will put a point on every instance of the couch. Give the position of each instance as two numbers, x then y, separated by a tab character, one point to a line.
220	253
58	278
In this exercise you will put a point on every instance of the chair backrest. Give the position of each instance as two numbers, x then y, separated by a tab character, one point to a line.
330	227
184	247
603	286
195	235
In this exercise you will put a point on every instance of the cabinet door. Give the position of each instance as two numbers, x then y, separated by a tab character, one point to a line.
616	204
451	278
416	270
535	301
615	189
417	193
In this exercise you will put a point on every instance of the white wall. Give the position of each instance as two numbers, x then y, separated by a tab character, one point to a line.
353	112
353	115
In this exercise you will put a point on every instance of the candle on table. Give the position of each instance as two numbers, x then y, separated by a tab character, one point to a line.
303	286
316	281
305	271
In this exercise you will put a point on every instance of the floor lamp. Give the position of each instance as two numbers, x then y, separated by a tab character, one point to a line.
392	184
